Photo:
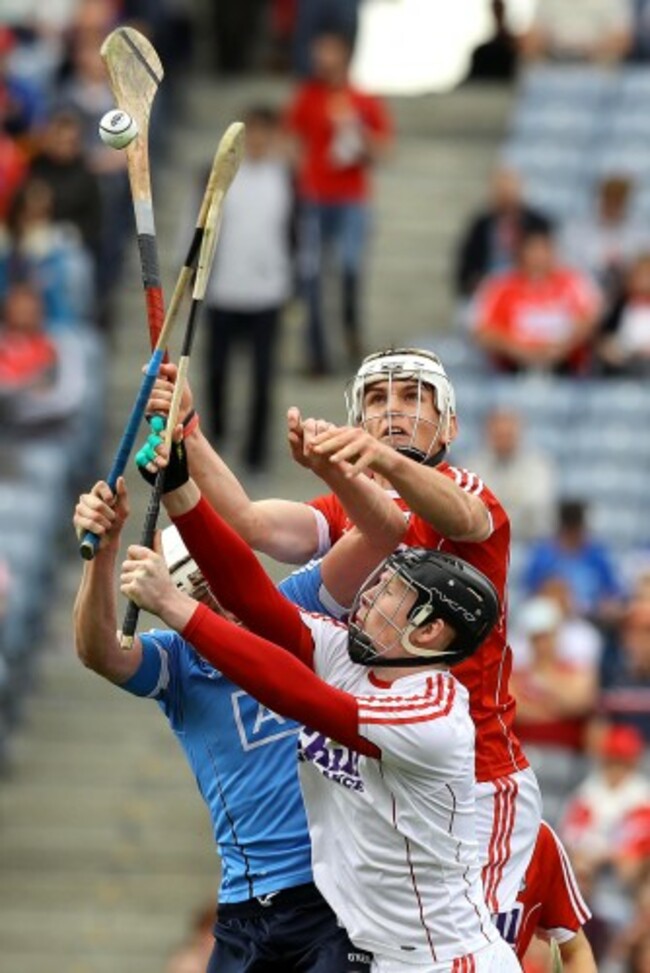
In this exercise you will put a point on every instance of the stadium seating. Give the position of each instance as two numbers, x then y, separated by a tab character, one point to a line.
572	125
42	464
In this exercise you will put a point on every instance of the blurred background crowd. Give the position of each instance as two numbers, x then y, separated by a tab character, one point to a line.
548	345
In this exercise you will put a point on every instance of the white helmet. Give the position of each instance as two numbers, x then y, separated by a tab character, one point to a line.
401	364
182	566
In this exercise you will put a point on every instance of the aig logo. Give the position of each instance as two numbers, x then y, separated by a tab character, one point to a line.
258	726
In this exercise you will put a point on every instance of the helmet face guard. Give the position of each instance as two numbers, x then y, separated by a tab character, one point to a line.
402	365
423	586
184	571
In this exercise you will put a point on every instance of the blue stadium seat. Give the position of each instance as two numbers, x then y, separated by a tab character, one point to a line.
567	84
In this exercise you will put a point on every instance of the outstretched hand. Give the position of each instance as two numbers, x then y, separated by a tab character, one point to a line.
102	512
302	434
354	449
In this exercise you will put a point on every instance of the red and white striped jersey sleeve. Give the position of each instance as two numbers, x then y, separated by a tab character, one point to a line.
473	484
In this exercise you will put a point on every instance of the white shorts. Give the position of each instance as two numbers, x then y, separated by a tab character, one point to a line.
498	957
508	813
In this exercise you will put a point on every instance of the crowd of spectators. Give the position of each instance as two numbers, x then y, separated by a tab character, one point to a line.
65	216
566	300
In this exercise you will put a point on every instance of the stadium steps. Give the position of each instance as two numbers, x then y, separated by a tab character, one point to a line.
105	847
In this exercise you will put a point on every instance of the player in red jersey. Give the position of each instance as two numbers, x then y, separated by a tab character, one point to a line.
550	906
402	415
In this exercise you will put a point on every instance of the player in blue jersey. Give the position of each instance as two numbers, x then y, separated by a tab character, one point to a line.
271	918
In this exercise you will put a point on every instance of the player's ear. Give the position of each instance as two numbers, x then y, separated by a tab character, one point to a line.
453	429
425	636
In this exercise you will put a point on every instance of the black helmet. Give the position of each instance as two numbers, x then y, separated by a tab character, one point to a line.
445	587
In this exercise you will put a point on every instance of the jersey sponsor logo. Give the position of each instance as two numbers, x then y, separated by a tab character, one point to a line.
509	923
335	762
256	724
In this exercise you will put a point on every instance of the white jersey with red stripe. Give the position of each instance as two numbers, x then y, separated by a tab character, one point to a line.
394	846
486	674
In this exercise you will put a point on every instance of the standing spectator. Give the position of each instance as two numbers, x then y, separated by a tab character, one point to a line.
602	243
496	58
539	315
623	347
582	561
491	242
60	162
314	17
251	280
339	132
599	31
522	477
625	691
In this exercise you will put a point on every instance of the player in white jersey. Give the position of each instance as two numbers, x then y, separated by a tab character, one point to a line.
391	803
402	414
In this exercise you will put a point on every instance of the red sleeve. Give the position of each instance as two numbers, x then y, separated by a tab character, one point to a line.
330	507
492	311
563	908
276	679
240	583
377	118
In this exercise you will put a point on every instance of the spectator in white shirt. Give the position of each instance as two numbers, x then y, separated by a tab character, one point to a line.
251	280
591	30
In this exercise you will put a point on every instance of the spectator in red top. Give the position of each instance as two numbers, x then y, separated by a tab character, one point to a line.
27	354
338	133
541	315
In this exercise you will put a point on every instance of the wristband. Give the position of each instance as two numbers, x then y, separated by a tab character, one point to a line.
190	423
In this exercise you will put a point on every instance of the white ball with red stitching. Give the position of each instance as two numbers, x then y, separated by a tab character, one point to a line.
117	128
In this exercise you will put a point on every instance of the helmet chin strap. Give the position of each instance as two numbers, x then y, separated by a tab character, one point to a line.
419	457
406	643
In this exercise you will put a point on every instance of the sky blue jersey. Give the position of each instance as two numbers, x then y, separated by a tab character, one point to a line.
244	759
305	588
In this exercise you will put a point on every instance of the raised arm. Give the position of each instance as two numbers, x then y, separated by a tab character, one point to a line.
233	572
95	608
379	524
266	671
453	512
285	530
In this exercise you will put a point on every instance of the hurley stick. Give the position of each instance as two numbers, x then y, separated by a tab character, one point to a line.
135	71
225	165
227	162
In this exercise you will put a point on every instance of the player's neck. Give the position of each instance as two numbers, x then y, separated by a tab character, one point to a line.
385	676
